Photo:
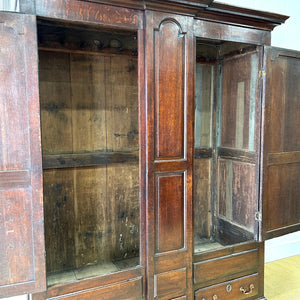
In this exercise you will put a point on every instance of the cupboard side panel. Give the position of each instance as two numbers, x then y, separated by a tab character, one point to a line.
20	159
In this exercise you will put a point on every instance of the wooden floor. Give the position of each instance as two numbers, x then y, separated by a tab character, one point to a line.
282	279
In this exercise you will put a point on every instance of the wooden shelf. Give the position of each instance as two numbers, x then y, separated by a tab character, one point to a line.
54	161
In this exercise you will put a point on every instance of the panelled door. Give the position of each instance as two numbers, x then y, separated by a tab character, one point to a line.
21	212
281	142
170	110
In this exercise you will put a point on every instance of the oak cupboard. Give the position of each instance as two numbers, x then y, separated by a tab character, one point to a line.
148	149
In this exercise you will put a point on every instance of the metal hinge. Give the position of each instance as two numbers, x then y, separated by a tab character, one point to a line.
258	216
261	73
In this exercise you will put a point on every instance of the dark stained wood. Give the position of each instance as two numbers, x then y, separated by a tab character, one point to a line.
88	159
90	12
229	233
283	158
89	284
170	208
169	108
239	100
169	261
21	213
219	31
170	283
203	153
238	201
238	155
131	289
281	146
178	161
221	292
96	205
202	198
226	268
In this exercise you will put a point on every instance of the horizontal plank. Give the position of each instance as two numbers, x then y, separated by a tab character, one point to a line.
283	158
88	159
239	155
234	33
128	289
203	153
170	283
94	13
79	286
14	179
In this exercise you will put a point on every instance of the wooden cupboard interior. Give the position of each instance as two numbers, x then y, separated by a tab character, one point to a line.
90	145
226	144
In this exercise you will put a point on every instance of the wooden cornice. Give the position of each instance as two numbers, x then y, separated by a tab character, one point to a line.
206	10
243	16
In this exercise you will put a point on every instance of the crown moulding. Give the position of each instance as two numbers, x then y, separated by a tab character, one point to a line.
206	10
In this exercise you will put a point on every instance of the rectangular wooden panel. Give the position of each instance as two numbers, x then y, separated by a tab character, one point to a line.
56	102
22	264
169	91
238	192
202	198
240	289
224	268
239	108
284	189
281	160
170	283
170	206
122	103
203	105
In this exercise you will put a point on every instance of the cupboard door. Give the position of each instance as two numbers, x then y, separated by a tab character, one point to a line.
22	266
281	143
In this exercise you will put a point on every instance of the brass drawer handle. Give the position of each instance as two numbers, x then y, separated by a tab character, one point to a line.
250	290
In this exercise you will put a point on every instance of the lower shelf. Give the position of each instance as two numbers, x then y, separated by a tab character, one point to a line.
91	271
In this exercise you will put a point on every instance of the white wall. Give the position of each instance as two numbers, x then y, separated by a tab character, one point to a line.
9	5
285	35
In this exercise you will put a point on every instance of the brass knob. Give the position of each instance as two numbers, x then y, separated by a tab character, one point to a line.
215	297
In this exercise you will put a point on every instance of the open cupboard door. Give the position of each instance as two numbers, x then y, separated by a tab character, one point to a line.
280	167
21	212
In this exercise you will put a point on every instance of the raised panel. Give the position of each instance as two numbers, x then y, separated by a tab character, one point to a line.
284	189
169	61
170	283
22	268
170	206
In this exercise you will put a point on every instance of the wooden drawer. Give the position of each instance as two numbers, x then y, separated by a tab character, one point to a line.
238	289
225	268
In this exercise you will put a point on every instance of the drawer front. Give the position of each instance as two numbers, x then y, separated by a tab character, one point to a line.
228	267
238	289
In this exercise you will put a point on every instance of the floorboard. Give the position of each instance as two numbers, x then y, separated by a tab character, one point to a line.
282	279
